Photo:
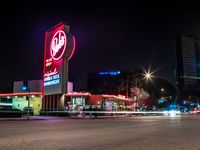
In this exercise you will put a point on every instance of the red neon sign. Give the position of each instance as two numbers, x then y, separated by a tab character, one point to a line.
51	73
58	45
73	49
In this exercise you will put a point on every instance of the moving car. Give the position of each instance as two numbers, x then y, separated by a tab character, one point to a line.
195	111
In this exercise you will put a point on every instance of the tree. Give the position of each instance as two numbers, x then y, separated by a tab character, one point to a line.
143	95
140	94
130	79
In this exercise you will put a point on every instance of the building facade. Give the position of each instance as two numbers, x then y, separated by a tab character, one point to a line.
187	50
19	98
104	82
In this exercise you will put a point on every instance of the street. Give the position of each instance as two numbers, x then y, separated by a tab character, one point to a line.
123	133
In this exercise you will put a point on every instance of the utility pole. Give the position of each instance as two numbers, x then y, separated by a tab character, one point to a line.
127	88
137	90
28	98
25	87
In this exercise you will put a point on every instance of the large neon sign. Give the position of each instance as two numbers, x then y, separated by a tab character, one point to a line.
58	45
58	50
73	49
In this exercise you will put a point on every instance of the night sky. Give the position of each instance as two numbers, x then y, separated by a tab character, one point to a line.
114	35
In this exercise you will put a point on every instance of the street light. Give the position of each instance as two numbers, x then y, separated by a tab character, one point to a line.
148	75
162	89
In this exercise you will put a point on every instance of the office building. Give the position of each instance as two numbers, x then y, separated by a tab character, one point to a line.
187	49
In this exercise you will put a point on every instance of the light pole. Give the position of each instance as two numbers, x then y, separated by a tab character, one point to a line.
136	94
25	87
136	90
148	74
28	98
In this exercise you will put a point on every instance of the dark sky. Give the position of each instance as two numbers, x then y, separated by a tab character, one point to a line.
114	35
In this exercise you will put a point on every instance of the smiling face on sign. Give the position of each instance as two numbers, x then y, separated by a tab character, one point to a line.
58	45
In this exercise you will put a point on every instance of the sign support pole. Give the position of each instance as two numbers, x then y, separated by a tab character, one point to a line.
27	98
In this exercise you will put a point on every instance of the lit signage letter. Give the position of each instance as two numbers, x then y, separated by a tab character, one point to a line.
50	73
58	45
56	76
109	73
52	80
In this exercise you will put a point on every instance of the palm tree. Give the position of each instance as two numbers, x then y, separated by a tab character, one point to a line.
131	80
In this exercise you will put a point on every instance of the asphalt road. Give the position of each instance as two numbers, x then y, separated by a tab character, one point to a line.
129	133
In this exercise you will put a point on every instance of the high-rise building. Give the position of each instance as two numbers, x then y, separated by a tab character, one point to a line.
187	49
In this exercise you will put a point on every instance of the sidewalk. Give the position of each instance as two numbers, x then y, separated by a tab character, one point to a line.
32	118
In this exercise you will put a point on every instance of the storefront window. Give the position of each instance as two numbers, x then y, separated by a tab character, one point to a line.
78	103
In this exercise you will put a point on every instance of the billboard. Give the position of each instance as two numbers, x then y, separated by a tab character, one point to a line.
58	49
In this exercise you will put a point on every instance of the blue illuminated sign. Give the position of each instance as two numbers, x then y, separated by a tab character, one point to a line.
109	73
52	80
24	88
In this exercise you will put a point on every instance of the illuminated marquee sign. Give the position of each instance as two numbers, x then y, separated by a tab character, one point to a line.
51	78
59	48
55	79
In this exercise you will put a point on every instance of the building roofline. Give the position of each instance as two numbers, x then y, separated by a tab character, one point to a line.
20	94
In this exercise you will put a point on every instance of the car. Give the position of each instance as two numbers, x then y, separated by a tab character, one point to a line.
26	109
184	109
195	111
